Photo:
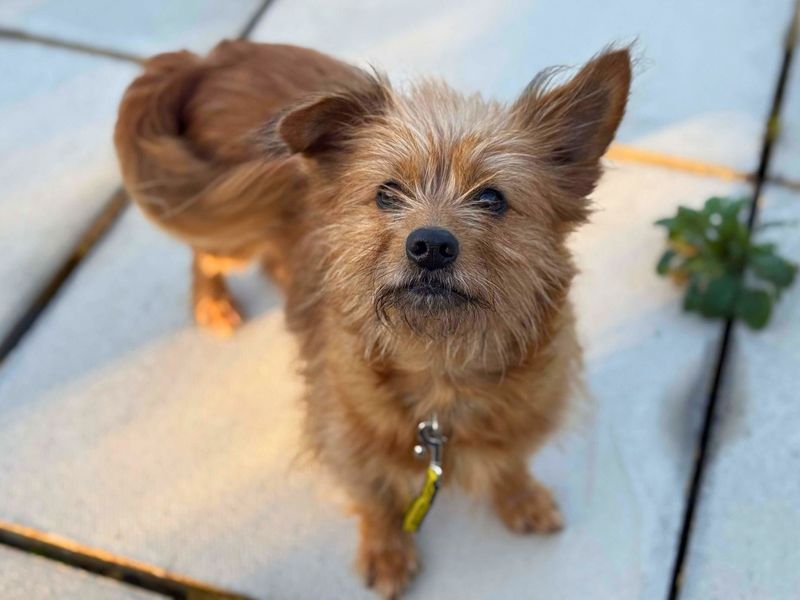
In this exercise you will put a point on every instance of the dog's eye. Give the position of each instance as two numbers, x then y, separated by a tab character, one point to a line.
492	200
388	195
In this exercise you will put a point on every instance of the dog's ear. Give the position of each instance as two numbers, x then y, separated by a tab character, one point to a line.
324	124
573	124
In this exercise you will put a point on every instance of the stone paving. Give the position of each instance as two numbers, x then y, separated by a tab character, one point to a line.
128	431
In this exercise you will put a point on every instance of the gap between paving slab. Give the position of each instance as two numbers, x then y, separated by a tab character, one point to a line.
109	565
24	36
140	27
97	228
694	498
254	20
743	544
57	42
26	576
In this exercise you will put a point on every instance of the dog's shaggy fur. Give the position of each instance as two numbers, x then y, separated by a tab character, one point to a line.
276	153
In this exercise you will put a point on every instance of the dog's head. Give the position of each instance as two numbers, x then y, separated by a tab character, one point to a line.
444	217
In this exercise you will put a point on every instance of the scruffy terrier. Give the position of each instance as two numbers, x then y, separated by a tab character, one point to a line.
420	240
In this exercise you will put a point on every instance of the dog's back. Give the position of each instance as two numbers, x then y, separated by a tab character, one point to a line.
188	141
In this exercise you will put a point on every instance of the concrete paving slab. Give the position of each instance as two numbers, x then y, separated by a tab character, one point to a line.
29	577
123	427
744	543
786	162
140	27
57	164
704	81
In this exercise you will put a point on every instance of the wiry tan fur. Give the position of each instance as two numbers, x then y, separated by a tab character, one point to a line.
275	153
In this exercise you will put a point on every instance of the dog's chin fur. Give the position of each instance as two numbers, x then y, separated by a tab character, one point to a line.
428	305
275	153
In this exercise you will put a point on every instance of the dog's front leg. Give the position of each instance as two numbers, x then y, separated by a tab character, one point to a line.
523	503
386	557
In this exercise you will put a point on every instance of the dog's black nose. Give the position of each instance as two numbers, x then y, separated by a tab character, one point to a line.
431	247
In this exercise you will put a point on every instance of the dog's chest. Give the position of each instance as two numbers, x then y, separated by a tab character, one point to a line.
464	405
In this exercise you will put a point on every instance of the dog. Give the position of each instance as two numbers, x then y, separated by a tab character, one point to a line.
419	238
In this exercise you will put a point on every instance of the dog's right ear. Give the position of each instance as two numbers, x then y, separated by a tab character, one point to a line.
572	124
324	124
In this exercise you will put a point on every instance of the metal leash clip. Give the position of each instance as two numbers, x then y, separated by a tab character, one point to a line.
431	442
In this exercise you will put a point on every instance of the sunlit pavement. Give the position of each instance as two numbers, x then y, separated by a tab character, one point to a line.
125	429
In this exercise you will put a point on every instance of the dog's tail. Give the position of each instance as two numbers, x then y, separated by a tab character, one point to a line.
211	205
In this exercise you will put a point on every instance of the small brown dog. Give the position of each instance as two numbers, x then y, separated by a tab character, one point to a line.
420	242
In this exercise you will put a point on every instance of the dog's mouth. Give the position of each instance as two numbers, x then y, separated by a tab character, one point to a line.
434	291
425	296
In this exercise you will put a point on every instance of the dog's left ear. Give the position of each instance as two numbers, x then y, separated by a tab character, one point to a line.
573	124
321	126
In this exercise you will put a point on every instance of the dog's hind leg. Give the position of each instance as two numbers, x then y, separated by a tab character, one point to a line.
212	304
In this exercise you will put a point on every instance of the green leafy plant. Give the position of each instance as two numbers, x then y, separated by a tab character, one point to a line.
727	275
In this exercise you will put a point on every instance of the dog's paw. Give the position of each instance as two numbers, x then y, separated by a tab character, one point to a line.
219	315
388	565
532	510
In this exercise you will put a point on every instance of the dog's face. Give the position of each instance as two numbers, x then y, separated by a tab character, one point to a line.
447	216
